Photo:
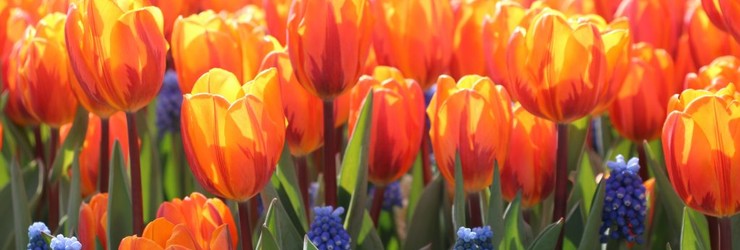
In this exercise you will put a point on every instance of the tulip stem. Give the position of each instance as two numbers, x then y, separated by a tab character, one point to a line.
720	232
104	154
330	154
244	226
53	187
377	203
474	209
38	143
561	180
426	167
643	162
302	166
133	148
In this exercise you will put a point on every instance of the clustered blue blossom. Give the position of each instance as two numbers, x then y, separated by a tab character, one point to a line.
624	203
326	231
63	243
478	238
392	196
169	102
36	236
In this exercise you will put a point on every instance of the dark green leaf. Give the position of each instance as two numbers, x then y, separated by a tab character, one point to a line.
417	186
694	233
548	238
267	241
120	219
74	199
585	186
424	225
458	207
668	196
577	132
512	219
32	178
280	228
591	238
495	217
736	227
369	238
290	190
21	213
308	245
71	144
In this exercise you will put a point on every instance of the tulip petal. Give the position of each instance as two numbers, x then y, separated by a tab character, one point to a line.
159	231
219	82
133	243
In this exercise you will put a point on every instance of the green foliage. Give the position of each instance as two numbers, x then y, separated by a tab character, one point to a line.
120	218
694	232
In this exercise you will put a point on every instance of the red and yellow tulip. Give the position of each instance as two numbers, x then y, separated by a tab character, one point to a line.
716	75
707	42
276	16
658	22
471	118
723	14
232	134
93	222
202	217
497	30
468	37
172	9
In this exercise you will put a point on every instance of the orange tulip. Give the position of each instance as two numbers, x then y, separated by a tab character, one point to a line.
89	157
657	22
414	36
15	26
162	234
209	40
93	222
233	135
225	5
202	217
724	13
276	15
606	8
171	10
718	74
468	37
341	109
303	110
530	165
328	43
557	69
706	41
700	153
473	119
118	51
397	122
44	74
639	110
497	30
683	60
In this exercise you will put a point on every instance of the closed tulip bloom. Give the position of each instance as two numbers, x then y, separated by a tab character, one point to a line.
13	30
89	156
640	108
172	9
225	5
93	222
16	110
497	29
397	122
341	109
557	69
209	40
658	22
473	119
414	36
702	158
276	15
468	37
203	218
724	13
44	74
163	234
328	43
683	60
118	51
716	75
530	165
303	110
232	134
707	41
681	102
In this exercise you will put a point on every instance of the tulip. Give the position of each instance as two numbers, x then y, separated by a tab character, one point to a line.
473	119
684	61
171	10
557	69
497	30
233	135
415	36
657	22
44	74
723	13
396	126
716	75
276	15
202	217
468	37
162	234
305	126
93	222
639	110
89	156
530	164
700	152
14	29
118	51
208	40
341	109
328	55
225	5
707	41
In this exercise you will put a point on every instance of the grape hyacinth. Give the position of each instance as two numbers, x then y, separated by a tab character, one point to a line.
478	238
326	231
63	243
36	236
169	102
392	196
624	203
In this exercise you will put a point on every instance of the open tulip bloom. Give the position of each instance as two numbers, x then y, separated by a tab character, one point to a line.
370	124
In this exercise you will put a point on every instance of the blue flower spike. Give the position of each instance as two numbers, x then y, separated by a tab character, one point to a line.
63	243
327	231
625	204
478	238
36	236
169	102
392	196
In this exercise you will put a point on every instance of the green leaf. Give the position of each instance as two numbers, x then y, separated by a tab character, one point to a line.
667	195
74	199
417	186
32	178
24	146
21	213
150	165
495	217
591	238
458	207
289	190
577	132
548	238
353	178
308	245
266	240
694	234
423	227
736	226
585	186
120	219
71	144
512	219
369	238
280	228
